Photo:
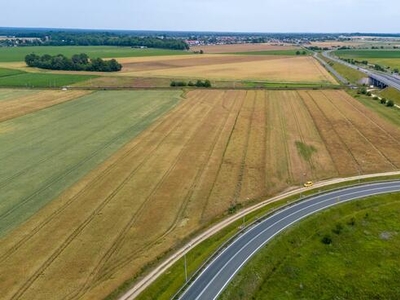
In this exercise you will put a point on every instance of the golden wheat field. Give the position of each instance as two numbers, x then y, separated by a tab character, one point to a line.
214	149
242	48
272	68
25	104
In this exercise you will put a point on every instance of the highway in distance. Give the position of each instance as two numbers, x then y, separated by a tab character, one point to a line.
216	276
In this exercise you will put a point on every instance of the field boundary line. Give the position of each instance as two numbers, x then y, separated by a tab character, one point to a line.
153	275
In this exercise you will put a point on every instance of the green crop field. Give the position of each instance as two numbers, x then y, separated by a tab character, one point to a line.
386	58
359	259
368	53
9	72
19	53
43	153
41	80
271	52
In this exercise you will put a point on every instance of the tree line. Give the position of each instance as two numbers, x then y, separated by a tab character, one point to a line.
102	39
78	62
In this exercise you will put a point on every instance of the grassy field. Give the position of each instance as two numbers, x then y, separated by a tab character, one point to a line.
392	94
350	74
391	114
362	262
273	68
9	72
214	151
19	53
368	53
388	58
41	80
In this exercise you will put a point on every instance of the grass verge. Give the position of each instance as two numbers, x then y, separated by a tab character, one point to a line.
350	74
391	114
349	251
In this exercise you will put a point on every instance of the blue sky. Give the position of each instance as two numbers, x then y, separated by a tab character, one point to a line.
206	15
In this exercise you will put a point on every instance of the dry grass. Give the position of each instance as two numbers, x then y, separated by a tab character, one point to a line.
19	106
216	149
242	48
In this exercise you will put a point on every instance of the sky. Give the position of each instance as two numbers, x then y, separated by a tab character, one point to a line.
206	15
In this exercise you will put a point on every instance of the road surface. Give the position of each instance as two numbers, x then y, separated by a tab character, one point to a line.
215	277
388	79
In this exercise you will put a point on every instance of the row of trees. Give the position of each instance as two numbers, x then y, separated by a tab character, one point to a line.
98	39
199	83
78	62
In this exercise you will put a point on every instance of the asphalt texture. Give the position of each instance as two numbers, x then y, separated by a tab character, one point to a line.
216	276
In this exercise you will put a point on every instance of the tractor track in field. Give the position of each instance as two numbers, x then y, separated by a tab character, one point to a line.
80	228
353	125
73	168
6	181
302	136
243	158
58	211
224	153
117	244
124	260
339	137
383	131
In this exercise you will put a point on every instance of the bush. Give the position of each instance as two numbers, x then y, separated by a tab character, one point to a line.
376	98
178	83
383	101
368	94
390	103
207	83
327	240
190	83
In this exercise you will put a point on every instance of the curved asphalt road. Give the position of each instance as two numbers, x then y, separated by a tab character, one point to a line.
210	283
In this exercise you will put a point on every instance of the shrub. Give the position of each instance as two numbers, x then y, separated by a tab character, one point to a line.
383	101
190	83
327	240
390	103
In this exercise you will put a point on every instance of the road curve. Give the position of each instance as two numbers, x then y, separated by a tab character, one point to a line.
215	277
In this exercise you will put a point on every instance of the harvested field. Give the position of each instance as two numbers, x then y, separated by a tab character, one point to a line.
14	106
45	152
232	67
242	48
216	150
